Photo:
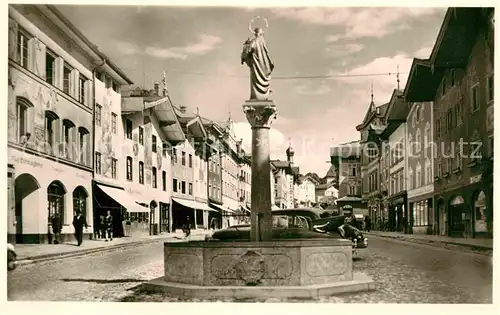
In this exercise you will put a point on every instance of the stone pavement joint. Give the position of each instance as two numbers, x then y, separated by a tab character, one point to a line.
35	253
480	245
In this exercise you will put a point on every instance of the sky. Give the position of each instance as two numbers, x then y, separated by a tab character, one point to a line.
199	49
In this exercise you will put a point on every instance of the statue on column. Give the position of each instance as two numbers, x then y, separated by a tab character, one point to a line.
256	56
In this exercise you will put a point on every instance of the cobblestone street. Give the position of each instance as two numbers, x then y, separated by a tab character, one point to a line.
403	273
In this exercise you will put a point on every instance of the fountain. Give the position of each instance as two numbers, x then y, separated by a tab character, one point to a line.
262	266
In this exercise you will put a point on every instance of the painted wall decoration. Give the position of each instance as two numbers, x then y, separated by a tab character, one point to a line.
13	29
148	155
159	157
106	139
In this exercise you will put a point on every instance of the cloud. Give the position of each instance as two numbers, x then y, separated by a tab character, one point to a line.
354	23
339	50
313	89
202	46
278	141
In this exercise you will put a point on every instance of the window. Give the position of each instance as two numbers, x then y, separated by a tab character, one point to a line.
22	118
353	171
98	163
352	190
113	122
190	188
190	160
420	213
50	128
417	114
428	171
451	121
410	179
439	168
452	77
67	126
475	97
50	60
108	82
55	196
128	128
154	178
113	167
427	134
82	137
141	173
141	135
491	89
164	149
154	144
164	180
98	112
174	155
129	168
438	128
80	201
22	47
174	185
443	87
81	89
66	78
183	161
116	87
183	187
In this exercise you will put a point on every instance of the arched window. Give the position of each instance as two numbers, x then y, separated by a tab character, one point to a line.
410	145
410	179
421	109
24	110
83	145
68	138
427	134
141	172
80	201
418	144
428	171
55	195
52	133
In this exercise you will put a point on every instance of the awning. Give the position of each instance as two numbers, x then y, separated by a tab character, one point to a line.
221	208
273	207
246	209
193	204
123	198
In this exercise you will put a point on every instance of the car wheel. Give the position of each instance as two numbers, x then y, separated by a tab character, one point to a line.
11	261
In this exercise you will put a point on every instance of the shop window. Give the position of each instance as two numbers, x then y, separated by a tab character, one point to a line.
98	163
80	201
55	195
141	173
420	213
98	113
129	168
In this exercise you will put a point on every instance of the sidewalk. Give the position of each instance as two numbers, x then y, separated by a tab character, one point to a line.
30	253
477	244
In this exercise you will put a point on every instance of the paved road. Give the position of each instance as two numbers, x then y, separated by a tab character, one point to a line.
403	272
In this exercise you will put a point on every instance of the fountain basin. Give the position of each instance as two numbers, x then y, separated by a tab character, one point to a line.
286	268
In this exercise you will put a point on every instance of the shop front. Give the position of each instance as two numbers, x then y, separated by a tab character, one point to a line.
421	210
43	187
225	216
466	211
398	213
189	211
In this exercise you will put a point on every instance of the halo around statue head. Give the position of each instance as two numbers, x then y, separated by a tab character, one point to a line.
251	29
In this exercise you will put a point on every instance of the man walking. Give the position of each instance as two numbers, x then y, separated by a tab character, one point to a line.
109	226
56	227
78	223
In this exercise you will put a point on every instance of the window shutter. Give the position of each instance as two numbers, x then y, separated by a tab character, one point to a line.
74	89
36	57
57	149
88	93
58	72
13	29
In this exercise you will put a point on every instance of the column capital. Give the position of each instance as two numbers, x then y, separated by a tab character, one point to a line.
259	113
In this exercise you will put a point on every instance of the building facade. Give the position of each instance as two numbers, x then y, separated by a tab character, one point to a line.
420	162
462	93
50	109
306	191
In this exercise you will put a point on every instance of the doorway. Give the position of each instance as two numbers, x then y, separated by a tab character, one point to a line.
26	192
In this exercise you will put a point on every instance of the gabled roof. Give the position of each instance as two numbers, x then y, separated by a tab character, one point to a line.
331	172
452	49
196	128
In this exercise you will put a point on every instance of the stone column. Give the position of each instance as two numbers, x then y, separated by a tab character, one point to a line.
259	114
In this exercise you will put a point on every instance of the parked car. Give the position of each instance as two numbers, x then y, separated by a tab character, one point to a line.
11	257
299	223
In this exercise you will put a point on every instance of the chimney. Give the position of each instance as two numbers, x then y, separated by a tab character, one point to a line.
157	88
182	108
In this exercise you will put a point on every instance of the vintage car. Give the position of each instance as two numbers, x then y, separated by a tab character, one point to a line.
299	223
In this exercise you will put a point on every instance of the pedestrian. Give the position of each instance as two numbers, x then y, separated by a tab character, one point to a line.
56	227
212	224
109	226
368	223
187	227
78	223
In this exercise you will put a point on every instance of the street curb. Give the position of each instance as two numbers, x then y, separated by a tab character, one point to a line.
450	245
56	256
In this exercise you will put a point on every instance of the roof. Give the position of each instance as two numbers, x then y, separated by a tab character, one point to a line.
280	164
452	49
332	172
325	186
92	46
344	150
349	199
